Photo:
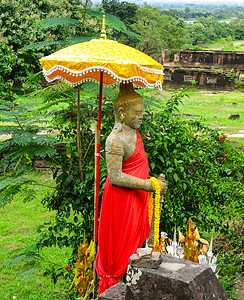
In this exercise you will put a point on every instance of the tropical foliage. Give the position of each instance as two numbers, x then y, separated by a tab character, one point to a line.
7	61
17	21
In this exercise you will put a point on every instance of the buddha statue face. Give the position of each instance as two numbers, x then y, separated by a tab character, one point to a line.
128	107
132	114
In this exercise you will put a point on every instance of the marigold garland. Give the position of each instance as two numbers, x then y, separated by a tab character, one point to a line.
150	207
156	210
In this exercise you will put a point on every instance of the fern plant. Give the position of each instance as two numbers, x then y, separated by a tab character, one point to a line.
27	140
86	33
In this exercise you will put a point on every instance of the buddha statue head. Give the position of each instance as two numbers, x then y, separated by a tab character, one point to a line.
128	107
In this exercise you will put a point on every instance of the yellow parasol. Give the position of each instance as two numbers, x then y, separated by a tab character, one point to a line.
118	62
107	62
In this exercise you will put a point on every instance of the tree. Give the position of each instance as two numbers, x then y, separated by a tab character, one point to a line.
205	30
238	29
126	12
7	61
17	19
159	32
187	10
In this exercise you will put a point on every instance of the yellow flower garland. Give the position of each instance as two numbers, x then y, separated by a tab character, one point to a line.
156	209
150	207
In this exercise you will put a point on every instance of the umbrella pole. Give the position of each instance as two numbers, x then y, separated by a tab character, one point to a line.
79	137
95	224
97	169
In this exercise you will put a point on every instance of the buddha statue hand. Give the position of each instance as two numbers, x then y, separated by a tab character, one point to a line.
163	184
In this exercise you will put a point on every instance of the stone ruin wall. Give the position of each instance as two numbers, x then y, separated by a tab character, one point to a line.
210	69
206	59
203	78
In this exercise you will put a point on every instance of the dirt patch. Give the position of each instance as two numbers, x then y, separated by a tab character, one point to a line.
238	43
236	135
46	216
13	246
4	137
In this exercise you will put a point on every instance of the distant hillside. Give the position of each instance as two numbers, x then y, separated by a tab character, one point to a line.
174	4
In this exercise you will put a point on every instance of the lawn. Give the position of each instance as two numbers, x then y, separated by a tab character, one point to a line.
214	108
18	229
224	46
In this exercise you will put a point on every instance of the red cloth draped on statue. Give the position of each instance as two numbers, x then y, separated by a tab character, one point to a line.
123	225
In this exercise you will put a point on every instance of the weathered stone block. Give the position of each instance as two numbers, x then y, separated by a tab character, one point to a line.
152	262
144	252
174	279
116	292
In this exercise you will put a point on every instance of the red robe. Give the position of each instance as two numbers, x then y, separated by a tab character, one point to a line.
123	225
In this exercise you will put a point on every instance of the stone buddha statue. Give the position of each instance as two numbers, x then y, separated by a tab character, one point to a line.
124	221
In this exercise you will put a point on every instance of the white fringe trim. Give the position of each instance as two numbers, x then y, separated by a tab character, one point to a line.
134	79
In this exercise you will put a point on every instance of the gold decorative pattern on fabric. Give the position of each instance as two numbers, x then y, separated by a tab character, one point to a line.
120	63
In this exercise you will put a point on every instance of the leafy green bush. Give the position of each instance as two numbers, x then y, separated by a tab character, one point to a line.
239	85
7	61
202	168
228	243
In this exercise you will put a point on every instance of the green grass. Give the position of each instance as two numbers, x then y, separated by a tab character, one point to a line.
28	100
18	225
224	45
214	108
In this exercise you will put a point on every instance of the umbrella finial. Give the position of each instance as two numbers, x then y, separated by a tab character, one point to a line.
103	32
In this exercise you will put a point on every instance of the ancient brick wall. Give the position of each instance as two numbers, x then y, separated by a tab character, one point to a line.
204	78
210	69
218	59
206	58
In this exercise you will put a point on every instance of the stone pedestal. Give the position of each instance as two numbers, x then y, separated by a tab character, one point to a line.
174	279
116	292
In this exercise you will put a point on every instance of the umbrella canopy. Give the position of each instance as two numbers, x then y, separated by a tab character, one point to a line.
119	63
